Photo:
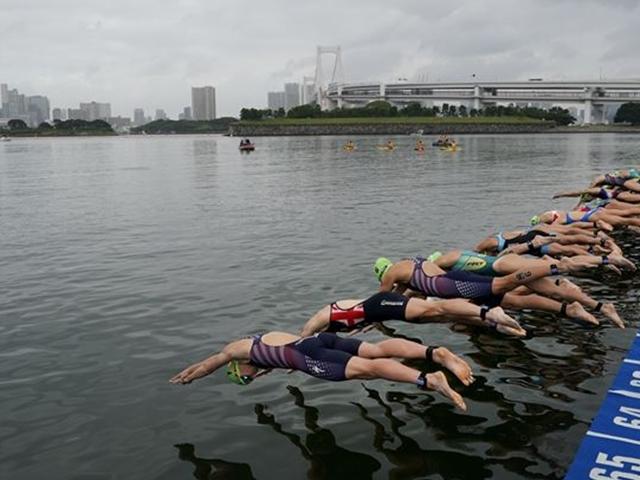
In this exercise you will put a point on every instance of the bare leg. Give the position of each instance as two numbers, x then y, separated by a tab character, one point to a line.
536	302
389	369
534	272
400	348
462	311
617	220
548	287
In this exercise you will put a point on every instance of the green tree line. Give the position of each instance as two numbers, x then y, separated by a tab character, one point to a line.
628	113
16	125
186	126
381	108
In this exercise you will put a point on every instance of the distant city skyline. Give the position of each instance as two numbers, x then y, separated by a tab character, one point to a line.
108	54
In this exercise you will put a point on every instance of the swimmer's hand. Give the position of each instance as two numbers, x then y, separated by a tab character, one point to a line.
189	374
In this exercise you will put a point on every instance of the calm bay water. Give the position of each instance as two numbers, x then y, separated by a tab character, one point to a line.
122	260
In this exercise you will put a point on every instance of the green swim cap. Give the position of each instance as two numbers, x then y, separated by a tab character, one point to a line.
234	375
434	256
381	266
535	220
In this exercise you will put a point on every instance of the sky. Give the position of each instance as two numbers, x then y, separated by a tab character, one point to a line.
148	53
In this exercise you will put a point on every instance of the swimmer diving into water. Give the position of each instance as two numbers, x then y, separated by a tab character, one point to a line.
349	315
329	357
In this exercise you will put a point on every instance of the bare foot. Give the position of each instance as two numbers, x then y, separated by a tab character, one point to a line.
609	311
454	364
622	262
577	311
614	269
602	225
438	382
503	323
576	264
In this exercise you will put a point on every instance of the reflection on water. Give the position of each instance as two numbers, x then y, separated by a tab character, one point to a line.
326	458
213	468
124	259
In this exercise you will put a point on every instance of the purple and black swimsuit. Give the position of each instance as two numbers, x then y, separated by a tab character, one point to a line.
455	284
323	355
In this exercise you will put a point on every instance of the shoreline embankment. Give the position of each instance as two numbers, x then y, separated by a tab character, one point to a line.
354	129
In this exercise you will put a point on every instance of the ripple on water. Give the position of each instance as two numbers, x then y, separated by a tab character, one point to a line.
126	259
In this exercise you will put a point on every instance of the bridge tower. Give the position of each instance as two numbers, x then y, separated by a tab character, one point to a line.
322	80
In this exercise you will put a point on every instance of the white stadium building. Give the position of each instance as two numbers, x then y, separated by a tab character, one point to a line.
589	102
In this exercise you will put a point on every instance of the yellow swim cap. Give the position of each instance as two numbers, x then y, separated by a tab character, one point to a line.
434	256
235	376
381	266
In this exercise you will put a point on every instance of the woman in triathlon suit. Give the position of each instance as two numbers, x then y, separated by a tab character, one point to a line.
426	278
572	241
329	357
599	217
486	265
349	315
619	178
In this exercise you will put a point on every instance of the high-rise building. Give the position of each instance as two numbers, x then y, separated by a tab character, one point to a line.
76	114
186	114
203	103
15	105
275	100
138	117
291	95
96	111
161	114
58	114
119	124
38	106
4	97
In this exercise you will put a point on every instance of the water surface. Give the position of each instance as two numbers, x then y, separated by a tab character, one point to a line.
123	260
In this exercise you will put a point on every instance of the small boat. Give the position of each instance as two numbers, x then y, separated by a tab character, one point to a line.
247	147
450	148
389	146
5	139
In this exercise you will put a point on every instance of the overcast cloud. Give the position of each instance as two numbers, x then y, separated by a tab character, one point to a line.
148	53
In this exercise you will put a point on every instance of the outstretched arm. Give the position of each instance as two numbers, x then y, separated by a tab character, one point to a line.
318	323
233	351
388	281
487	245
577	193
